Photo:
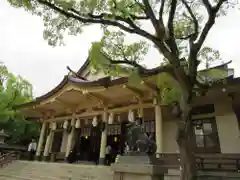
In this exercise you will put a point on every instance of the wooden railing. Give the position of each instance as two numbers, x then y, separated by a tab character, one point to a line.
8	158
205	162
218	162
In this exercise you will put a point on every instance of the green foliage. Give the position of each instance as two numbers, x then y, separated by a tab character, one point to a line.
170	91
14	90
134	78
113	54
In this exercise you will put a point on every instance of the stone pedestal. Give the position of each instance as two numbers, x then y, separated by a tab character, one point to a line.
46	158
138	166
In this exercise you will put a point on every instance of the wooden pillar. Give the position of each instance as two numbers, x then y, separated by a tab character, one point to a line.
40	141
103	138
48	144
70	137
158	126
140	112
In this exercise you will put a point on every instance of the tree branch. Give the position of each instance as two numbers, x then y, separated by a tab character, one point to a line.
84	19
161	10
102	15
158	26
171	38
212	12
125	61
193	36
195	47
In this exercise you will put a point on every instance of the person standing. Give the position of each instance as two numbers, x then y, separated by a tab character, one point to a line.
126	149
32	147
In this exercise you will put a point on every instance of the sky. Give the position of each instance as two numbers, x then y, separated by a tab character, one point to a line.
26	53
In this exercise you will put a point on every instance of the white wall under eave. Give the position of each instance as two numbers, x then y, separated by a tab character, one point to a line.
227	125
169	137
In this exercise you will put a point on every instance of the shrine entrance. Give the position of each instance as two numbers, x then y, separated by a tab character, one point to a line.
57	139
116	138
87	144
95	142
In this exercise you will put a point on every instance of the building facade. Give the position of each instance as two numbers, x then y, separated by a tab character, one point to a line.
88	111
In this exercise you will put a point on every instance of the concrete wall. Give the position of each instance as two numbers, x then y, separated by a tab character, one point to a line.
169	131
227	125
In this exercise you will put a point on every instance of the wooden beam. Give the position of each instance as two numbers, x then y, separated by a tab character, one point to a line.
113	110
70	87
68	107
137	92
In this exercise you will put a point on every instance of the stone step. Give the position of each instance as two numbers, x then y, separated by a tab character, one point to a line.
25	170
15	177
56	175
65	166
29	175
60	170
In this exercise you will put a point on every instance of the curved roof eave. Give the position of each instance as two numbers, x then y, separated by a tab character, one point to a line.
105	82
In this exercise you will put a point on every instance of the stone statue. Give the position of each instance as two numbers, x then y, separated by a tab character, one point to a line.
138	140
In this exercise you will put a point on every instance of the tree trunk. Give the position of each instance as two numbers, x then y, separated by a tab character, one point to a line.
186	143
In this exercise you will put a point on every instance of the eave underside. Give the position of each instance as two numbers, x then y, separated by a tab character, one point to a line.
79	98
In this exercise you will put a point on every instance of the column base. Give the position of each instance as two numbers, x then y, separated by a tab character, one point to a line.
38	158
46	158
101	161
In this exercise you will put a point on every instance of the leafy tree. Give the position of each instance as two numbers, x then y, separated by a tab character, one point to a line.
14	91
180	28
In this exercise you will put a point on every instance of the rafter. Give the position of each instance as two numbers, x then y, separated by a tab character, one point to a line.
70	107
103	100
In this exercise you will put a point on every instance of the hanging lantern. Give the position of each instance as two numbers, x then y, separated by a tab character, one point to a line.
72	121
54	126
110	118
130	116
78	124
65	124
94	121
118	118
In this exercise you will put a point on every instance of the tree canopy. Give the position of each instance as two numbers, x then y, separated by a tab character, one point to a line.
178	30
14	90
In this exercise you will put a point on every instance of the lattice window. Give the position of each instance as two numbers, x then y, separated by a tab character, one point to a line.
114	129
206	136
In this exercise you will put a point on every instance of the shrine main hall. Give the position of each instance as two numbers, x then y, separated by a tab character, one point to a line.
88	111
